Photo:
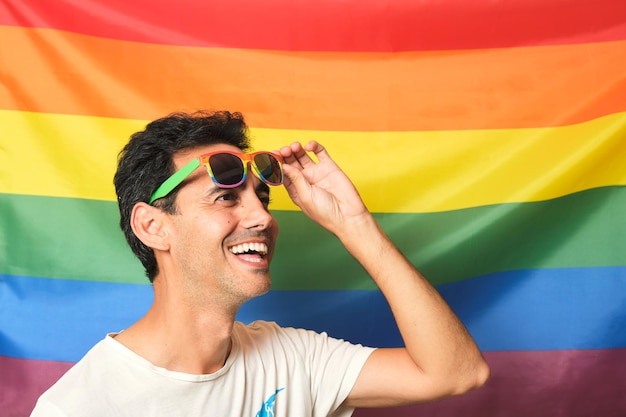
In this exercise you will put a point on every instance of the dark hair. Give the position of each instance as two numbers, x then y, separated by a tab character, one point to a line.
147	160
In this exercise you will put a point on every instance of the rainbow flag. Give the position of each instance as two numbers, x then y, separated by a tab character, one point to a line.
489	139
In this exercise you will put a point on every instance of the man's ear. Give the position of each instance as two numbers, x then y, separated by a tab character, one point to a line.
149	223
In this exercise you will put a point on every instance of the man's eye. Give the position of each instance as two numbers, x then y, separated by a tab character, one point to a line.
265	199
228	196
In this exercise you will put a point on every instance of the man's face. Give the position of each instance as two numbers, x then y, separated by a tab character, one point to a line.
222	240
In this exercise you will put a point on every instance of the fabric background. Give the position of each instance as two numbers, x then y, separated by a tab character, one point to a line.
489	139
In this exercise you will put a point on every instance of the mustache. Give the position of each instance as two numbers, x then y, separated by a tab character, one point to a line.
251	234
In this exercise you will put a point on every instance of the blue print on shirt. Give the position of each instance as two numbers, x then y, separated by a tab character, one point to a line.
267	410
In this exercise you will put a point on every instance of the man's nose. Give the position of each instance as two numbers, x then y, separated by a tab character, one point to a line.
255	211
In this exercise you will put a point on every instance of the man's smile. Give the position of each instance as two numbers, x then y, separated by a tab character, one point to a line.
253	251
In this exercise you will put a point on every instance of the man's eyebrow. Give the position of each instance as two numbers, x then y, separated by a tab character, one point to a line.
212	190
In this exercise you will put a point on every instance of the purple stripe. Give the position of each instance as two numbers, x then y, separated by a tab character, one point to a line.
22	381
567	383
570	383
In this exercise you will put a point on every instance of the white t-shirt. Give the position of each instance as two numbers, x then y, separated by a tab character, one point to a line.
270	372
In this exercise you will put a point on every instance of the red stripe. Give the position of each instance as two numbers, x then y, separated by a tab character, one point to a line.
330	25
572	383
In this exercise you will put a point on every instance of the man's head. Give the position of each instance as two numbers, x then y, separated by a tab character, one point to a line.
148	160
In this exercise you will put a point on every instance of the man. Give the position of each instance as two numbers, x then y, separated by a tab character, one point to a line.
206	242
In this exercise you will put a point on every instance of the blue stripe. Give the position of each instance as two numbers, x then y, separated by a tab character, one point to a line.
548	309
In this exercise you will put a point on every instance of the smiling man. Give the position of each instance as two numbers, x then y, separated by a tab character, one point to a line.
194	209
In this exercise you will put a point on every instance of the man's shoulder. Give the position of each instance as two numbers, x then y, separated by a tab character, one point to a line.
257	325
262	333
80	377
93	361
270	329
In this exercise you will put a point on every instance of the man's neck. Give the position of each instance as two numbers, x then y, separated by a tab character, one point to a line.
180	339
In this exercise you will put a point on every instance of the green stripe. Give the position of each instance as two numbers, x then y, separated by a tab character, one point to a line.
65	238
80	239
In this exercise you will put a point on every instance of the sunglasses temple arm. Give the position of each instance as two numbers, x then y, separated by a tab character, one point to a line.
175	180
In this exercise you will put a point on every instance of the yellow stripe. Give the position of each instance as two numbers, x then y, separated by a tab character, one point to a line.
75	156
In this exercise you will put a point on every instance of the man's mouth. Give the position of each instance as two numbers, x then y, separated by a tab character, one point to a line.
250	248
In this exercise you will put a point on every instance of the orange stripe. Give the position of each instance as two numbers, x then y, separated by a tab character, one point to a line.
58	72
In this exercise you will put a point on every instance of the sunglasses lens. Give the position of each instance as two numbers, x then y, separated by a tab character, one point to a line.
227	169
269	168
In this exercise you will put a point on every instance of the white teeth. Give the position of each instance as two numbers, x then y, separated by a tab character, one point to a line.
260	248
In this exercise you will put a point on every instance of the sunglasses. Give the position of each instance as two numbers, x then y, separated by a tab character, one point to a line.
227	170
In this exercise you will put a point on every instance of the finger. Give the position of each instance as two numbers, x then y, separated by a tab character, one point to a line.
318	149
295	155
288	154
312	146
303	155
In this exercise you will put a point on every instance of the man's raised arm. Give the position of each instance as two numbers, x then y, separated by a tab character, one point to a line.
440	358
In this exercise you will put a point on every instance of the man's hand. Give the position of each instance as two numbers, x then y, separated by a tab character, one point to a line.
321	189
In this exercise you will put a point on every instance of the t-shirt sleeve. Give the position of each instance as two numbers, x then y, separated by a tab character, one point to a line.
44	409
334	366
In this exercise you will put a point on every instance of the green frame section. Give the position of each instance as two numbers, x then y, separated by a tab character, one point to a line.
174	180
